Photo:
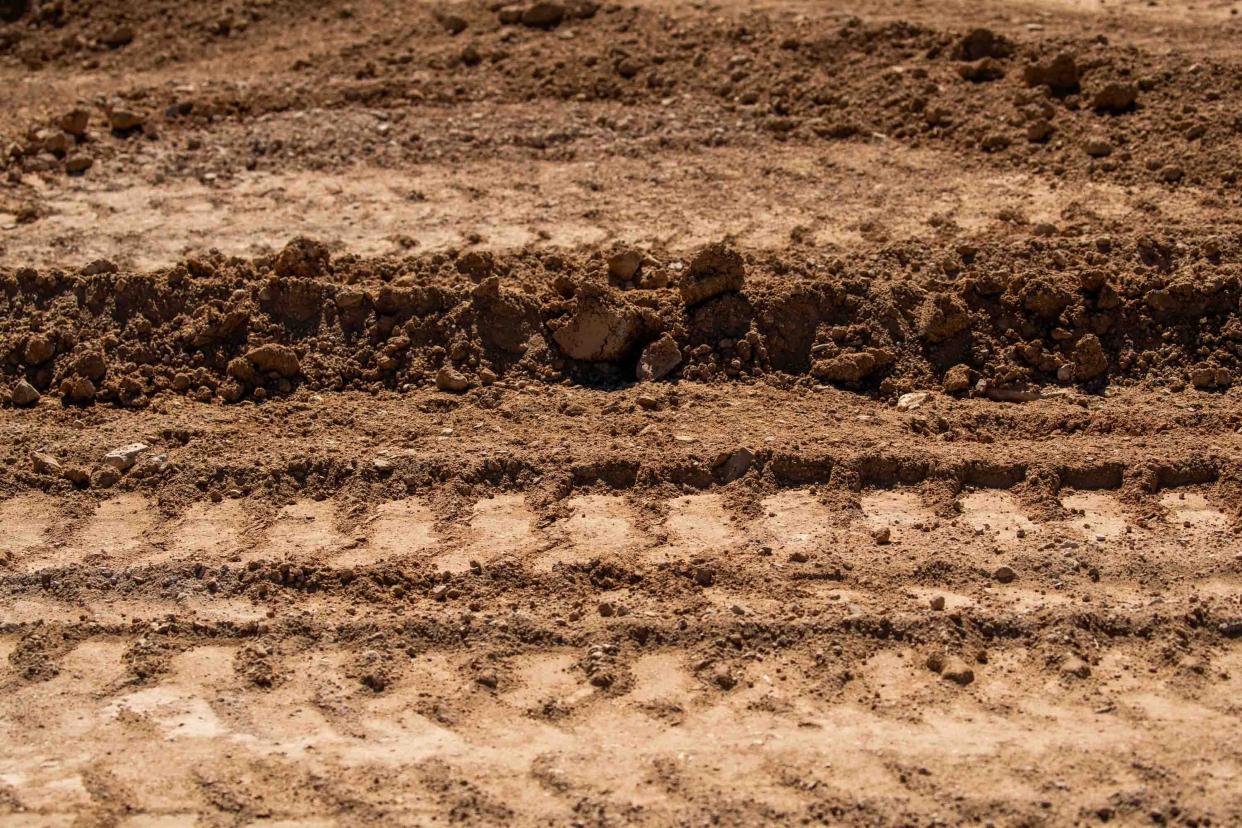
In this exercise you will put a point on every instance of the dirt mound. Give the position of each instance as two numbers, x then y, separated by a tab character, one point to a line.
1007	315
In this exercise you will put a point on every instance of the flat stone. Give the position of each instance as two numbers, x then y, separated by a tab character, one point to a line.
123	458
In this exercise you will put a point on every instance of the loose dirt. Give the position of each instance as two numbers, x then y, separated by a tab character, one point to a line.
628	413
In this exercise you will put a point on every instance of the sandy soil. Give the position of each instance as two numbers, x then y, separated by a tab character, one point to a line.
639	413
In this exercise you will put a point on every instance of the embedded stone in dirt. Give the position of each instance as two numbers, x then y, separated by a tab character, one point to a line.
78	164
276	358
850	367
911	401
959	378
624	266
1075	667
452	380
1004	574
658	359
302	258
982	71
982	43
1115	98
454	24
39	349
716	269
123	458
1098	147
735	465
13	10
603	328
543	15
75	122
24	394
44	463
125	120
1060	74
957	671
1089	358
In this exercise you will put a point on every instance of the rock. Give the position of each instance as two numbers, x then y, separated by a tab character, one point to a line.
90	364
44	463
982	71
734	465
851	367
982	43
714	270
1039	131
1171	173
705	576
118	37
603	328
79	390
957	671
302	258
451	380
624	266
57	142
658	359
39	349
105	477
1004	575
1203	376
78	164
1098	147
1089	358
75	122
1060	74
1011	393
123	458
911	401
882	536
1075	667
454	24
242	369
959	378
724	678
937	603
995	142
24	394
543	15
13	10
125	120
1115	98
509	15
276	358
76	475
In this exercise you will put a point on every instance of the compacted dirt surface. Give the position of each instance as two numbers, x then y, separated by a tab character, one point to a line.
661	412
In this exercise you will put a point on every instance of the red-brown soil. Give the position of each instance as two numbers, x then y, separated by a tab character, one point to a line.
630	413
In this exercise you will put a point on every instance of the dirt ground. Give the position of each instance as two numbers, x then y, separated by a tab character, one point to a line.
577	413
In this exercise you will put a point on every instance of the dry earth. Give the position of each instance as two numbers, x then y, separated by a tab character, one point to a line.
629	413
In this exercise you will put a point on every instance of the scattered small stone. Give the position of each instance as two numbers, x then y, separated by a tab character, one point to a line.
454	24
647	402
705	576
1039	131
959	378
1171	173
123	458
798	557
606	609
1004	574
24	394
882	535
937	603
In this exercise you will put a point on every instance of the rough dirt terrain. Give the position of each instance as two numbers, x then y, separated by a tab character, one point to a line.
630	413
